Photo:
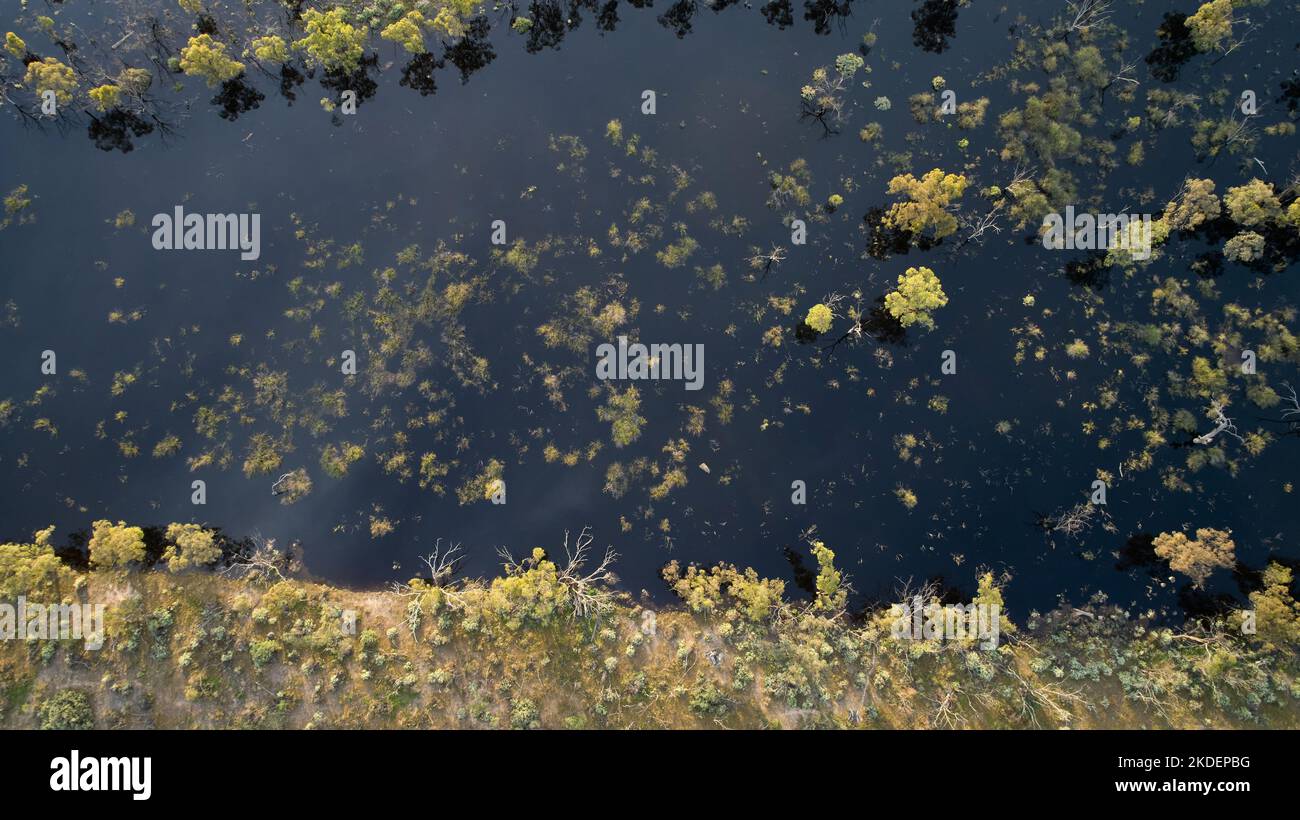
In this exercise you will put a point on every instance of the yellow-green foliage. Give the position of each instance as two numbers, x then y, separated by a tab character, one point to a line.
621	411
49	74
407	32
723	588
190	546
1195	205
135	80
205	650
270	49
919	292
106	96
928	198
530	593
34	570
1211	25
332	41
447	23
205	57
831	594
1277	615
1196	558
1253	204
115	546
819	318
15	45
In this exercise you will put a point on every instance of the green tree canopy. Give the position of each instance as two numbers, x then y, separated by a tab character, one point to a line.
115	545
919	292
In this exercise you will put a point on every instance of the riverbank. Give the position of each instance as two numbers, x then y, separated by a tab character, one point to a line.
548	644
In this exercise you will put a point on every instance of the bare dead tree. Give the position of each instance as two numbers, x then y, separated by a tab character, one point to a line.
1178	102
265	563
1222	424
1123	74
1050	698
278	487
759	260
1290	411
1075	521
1084	14
441	565
823	100
947	714
1241	28
974	228
589	591
856	313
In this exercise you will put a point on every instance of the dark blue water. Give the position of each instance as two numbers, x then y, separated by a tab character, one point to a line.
440	168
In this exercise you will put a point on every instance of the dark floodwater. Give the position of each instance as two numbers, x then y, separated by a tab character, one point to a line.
460	158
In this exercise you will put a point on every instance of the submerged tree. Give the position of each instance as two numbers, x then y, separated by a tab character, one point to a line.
205	57
924	212
1196	558
823	98
919	292
1211	27
621	411
331	41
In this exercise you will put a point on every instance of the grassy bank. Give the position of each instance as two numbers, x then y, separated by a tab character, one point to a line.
549	644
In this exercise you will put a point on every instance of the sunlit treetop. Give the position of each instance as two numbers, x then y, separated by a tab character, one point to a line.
919	292
15	45
925	209
116	545
270	49
331	41
1211	25
190	546
446	22
819	318
1276	611
51	75
106	96
207	58
621	411
135	80
1195	205
1196	558
848	64
407	32
1253	204
831	594
1247	246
